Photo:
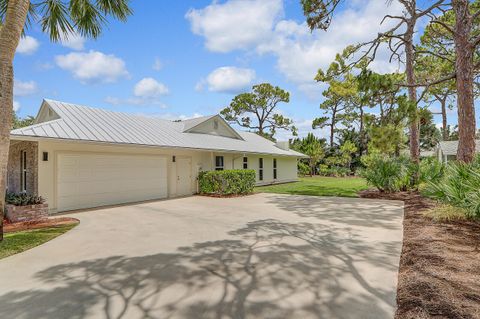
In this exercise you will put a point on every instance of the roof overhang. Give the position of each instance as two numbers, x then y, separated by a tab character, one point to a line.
14	137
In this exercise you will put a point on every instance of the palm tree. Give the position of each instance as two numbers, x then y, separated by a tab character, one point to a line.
57	18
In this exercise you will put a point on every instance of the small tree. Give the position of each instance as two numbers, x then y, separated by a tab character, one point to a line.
338	104
313	147
257	110
19	122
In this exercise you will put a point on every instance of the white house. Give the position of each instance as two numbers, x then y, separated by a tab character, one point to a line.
80	157
447	150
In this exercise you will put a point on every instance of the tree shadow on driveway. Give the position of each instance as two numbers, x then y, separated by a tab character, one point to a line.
374	213
267	269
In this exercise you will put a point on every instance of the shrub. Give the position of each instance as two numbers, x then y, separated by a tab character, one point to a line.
458	187
388	174
23	199
303	169
431	170
228	182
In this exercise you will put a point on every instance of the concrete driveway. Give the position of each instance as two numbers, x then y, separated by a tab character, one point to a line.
261	256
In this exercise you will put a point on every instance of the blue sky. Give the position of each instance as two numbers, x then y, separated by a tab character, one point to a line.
179	59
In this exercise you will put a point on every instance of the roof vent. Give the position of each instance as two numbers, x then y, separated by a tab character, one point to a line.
284	145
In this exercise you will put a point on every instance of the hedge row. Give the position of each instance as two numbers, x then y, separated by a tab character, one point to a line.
228	182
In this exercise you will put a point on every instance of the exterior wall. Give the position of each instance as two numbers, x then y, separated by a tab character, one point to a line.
286	166
201	161
14	166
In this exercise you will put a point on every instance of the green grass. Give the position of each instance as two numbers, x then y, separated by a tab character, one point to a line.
14	243
319	186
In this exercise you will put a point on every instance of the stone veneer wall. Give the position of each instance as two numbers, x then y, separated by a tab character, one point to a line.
14	163
16	214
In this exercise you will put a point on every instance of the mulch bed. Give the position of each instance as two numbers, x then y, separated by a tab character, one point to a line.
47	223
439	274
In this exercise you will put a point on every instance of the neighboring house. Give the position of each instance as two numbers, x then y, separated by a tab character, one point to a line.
79	157
447	150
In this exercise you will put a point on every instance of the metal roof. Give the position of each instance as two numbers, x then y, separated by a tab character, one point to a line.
450	147
82	123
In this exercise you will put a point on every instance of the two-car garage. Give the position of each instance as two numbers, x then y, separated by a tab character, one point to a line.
94	179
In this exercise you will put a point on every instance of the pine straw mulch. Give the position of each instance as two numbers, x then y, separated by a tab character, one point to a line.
439	274
45	223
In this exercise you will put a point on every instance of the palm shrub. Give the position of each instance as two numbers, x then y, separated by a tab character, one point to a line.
387	174
459	187
228	182
431	170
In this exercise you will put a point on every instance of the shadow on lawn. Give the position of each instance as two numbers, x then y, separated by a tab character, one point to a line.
272	269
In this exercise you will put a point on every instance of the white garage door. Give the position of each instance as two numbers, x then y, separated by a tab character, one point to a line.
87	180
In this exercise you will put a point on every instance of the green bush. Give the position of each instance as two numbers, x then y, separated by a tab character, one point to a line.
303	169
333	171
388	174
228	182
459	187
23	199
431	170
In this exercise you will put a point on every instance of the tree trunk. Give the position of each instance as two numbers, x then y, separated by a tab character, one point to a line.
332	128
444	119
412	91
465	77
361	132
10	34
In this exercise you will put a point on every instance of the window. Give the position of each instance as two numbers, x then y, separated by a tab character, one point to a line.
219	163
260	169
215	124
245	162
274	168
23	171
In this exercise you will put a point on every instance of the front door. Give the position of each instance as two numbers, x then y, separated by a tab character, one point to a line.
184	176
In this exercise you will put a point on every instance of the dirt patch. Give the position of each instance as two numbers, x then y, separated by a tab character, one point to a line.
51	222
439	274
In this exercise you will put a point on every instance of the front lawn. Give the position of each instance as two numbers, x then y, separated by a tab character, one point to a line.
14	243
319	186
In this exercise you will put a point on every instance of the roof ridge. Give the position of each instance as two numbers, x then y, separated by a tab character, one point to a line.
62	103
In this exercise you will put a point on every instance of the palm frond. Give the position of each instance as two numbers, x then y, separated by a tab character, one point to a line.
55	19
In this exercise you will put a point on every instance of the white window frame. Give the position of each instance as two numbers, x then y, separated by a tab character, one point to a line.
222	166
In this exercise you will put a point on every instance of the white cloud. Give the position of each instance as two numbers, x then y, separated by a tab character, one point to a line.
235	24
16	106
256	25
27	45
149	88
228	79
21	88
157	65
73	41
93	66
301	53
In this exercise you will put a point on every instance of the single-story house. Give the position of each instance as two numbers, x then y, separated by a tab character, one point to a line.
81	157
447	150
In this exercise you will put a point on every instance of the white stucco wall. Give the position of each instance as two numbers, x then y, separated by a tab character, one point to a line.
201	160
